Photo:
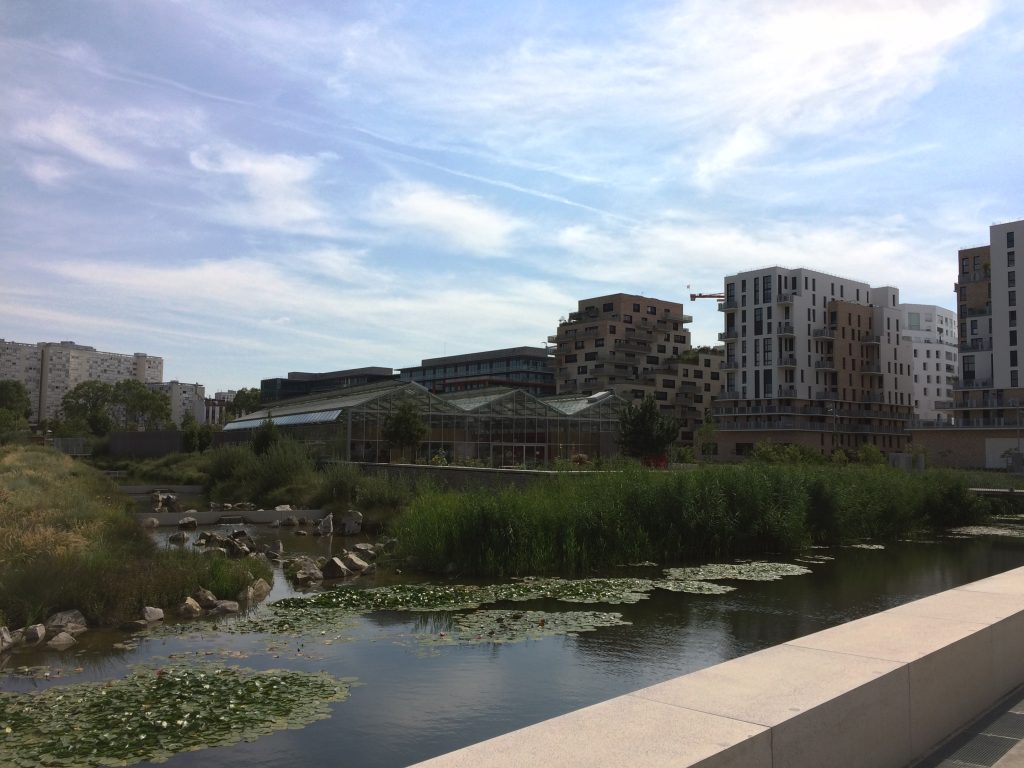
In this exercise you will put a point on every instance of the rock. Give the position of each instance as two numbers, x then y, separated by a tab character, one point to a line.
35	633
274	524
335	569
260	589
205	598
151	614
283	508
387	544
235	548
150	522
189	523
351	522
290	521
304	571
178	537
202	539
18	636
354	562
6	641
225	606
366	550
246	596
326	524
72	622
190	609
302	533
62	642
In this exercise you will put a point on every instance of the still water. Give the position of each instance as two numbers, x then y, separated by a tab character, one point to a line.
416	700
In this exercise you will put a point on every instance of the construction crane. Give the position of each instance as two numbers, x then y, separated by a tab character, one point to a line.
695	296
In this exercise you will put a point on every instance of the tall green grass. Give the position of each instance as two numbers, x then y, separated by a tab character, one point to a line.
592	522
68	540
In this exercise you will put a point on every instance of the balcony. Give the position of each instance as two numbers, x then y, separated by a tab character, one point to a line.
786	297
728	365
871	368
787	391
873	397
824	333
825	363
870	339
974	276
729	333
552	339
786	329
729	394
787	361
726	304
976	384
637	344
826	394
980	311
944	405
976	345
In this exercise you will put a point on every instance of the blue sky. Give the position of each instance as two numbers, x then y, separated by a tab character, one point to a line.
251	188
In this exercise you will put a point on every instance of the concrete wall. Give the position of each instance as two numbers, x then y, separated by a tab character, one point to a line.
880	691
965	448
466	478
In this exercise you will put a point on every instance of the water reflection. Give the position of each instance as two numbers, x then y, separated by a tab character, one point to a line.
416	701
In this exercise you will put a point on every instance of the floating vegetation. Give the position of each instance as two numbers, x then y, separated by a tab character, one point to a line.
694	587
988	530
609	591
42	672
814	559
153	714
753	571
866	546
497	626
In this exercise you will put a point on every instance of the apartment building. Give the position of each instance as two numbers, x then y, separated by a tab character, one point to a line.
184	399
528	368
627	344
49	370
700	384
932	334
812	359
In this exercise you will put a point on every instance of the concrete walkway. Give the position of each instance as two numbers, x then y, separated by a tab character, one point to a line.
995	740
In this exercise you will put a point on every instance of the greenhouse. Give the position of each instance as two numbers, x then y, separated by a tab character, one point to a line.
489	427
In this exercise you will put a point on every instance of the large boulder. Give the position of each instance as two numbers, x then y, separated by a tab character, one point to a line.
35	633
188	523
335	569
6	640
290	521
354	562
304	571
260	589
366	551
178	537
350	523
326	524
283	508
72	622
62	641
205	598
151	614
190	609
224	606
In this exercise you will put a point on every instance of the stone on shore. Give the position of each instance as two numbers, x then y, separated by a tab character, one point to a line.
260	589
190	609
224	606
62	641
189	523
205	598
72	622
151	614
34	633
335	569
6	640
354	563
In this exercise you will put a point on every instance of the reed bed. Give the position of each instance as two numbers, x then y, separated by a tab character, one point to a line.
580	524
68	540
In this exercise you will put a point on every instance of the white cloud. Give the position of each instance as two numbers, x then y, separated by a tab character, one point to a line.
277	188
459	221
46	170
72	132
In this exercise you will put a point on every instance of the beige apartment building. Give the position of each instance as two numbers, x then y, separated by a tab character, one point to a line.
49	370
988	398
812	359
184	398
633	346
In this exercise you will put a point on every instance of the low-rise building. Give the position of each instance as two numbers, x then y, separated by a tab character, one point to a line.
301	384
528	368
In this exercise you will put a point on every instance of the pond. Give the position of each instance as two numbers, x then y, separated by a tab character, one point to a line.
412	684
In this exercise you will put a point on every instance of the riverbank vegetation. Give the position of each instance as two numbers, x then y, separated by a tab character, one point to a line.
575	525
68	540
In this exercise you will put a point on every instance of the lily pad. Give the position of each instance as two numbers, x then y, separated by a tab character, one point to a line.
753	571
989	530
155	713
694	587
866	546
498	626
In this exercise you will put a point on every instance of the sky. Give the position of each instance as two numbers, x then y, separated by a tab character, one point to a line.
251	188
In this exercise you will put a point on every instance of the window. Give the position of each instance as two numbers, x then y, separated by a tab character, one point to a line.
581	369
579	345
652	310
1013	378
1011	279
1009	239
636	307
1013	338
1013	319
758	321
607	306
1011	259
1013	358
598	342
1012	298
590	356
570	358
661	348
661	395
965	265
652	360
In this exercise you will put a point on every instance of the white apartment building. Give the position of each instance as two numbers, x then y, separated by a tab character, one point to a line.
49	370
932	333
184	398
812	359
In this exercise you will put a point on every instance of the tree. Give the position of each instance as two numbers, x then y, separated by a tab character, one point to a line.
705	435
644	432
139	407
264	436
14	398
87	406
246	401
404	427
